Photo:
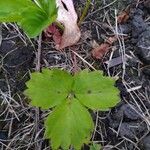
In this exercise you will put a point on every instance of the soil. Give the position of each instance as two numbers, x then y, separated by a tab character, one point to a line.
124	127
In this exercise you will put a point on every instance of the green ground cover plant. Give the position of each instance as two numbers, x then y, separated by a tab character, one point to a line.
70	97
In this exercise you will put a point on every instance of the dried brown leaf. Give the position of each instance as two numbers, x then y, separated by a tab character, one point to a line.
100	50
53	32
123	17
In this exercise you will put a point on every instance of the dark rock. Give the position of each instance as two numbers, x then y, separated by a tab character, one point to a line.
132	130
122	88
146	71
114	123
146	143
125	28
129	112
126	146
147	5
117	115
126	131
55	58
3	84
3	135
19	56
125	112
140	34
6	46
137	22
16	59
143	46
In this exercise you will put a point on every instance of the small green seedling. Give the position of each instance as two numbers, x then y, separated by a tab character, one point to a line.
33	17
70	123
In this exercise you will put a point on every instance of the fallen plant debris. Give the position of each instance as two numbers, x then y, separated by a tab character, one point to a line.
68	17
99	51
52	32
123	16
114	62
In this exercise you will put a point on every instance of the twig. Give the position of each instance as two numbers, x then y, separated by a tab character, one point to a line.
38	67
84	60
38	54
74	60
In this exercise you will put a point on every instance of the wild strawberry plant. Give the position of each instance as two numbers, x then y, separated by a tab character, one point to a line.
70	97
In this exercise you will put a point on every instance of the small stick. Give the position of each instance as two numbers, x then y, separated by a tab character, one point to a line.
38	67
84	60
74	60
38	54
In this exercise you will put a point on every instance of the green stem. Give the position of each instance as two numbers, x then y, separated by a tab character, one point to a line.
85	10
60	25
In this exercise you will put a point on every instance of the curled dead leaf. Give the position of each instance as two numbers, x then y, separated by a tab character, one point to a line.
53	32
123	17
99	51
68	17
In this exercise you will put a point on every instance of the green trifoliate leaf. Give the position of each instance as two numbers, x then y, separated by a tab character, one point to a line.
35	21
95	91
49	88
32	18
9	17
10	10
48	6
69	124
